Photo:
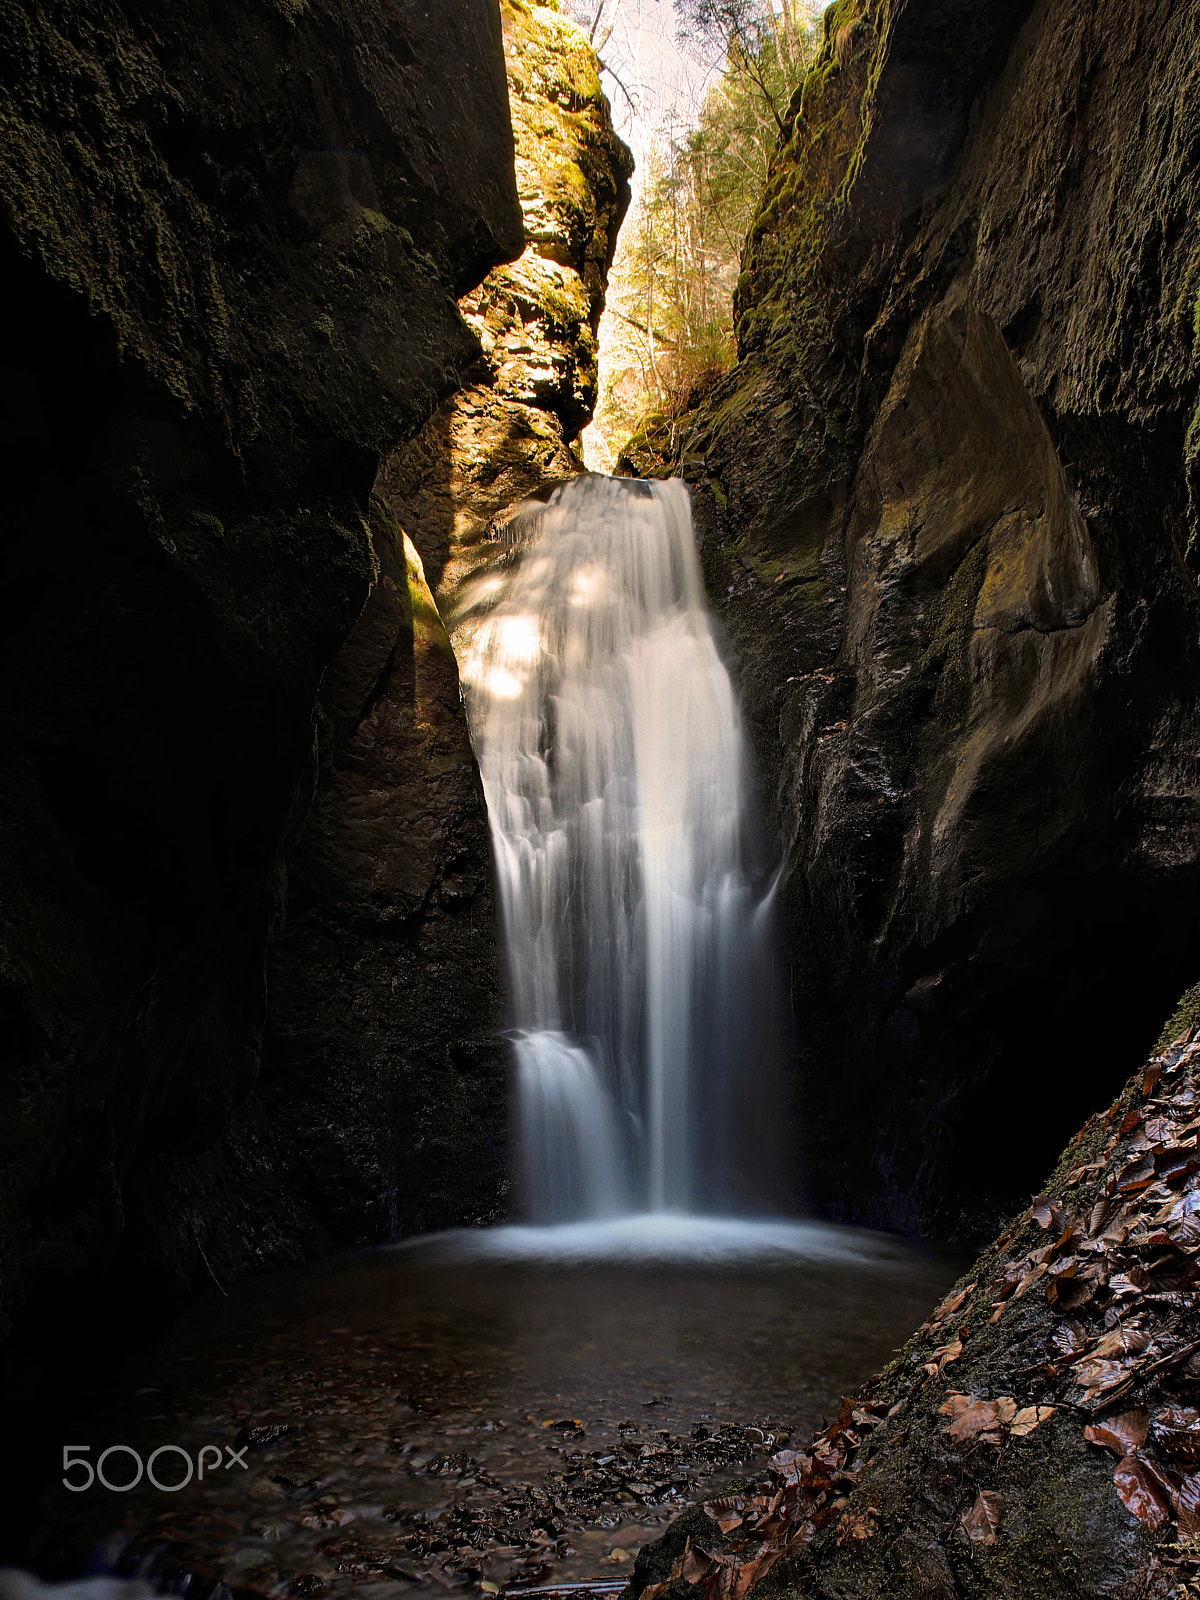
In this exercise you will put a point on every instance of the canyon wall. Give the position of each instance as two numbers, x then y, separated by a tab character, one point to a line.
948	506
383	1065
233	242
509	433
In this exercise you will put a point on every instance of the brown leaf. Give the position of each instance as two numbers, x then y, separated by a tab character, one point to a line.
1129	1283
1070	1338
726	1514
1122	1435
1129	1122
981	1416
1127	1340
951	1304
1098	1375
1177	1432
1174	1165
1029	1418
1011	1277
1068	1294
955	1404
858	1525
1185	1502
1178	1210
1180	1275
1138	1175
1140	1487
1150	1076
691	1566
1085	1171
1101	1212
983	1519
946	1353
1029	1279
1175	1416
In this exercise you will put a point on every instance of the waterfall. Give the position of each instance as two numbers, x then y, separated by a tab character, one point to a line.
638	939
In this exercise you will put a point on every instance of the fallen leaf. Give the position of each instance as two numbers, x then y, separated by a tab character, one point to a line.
693	1566
858	1525
1185	1502
1029	1279
1177	1432
1182	1275
947	1353
1162	1130
1070	1338
981	1416
1123	1435
1150	1077
1029	1418
1129	1283
1137	1176
1098	1375
727	1514
1129	1339
1084	1171
983	1519
955	1404
1101	1212
951	1304
1142	1491
1069	1294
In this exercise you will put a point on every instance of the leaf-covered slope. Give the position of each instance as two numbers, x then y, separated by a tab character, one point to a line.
1039	1434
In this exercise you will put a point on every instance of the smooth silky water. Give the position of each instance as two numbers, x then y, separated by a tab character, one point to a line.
654	1296
635	900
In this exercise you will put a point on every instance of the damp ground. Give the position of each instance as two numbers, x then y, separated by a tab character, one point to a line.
515	1410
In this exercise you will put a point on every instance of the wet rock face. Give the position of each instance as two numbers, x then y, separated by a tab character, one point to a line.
233	242
947	515
511	428
382	1070
385	984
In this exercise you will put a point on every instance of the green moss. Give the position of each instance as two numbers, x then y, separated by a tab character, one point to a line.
1186	1015
88	192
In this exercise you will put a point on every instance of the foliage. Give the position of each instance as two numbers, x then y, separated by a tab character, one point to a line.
671	287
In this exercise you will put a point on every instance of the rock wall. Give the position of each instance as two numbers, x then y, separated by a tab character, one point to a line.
383	1073
383	1069
232	243
509	432
948	505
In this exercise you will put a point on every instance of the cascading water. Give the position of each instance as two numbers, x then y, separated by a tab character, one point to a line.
639	948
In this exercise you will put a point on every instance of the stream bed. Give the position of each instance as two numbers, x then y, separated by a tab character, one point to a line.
516	1409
